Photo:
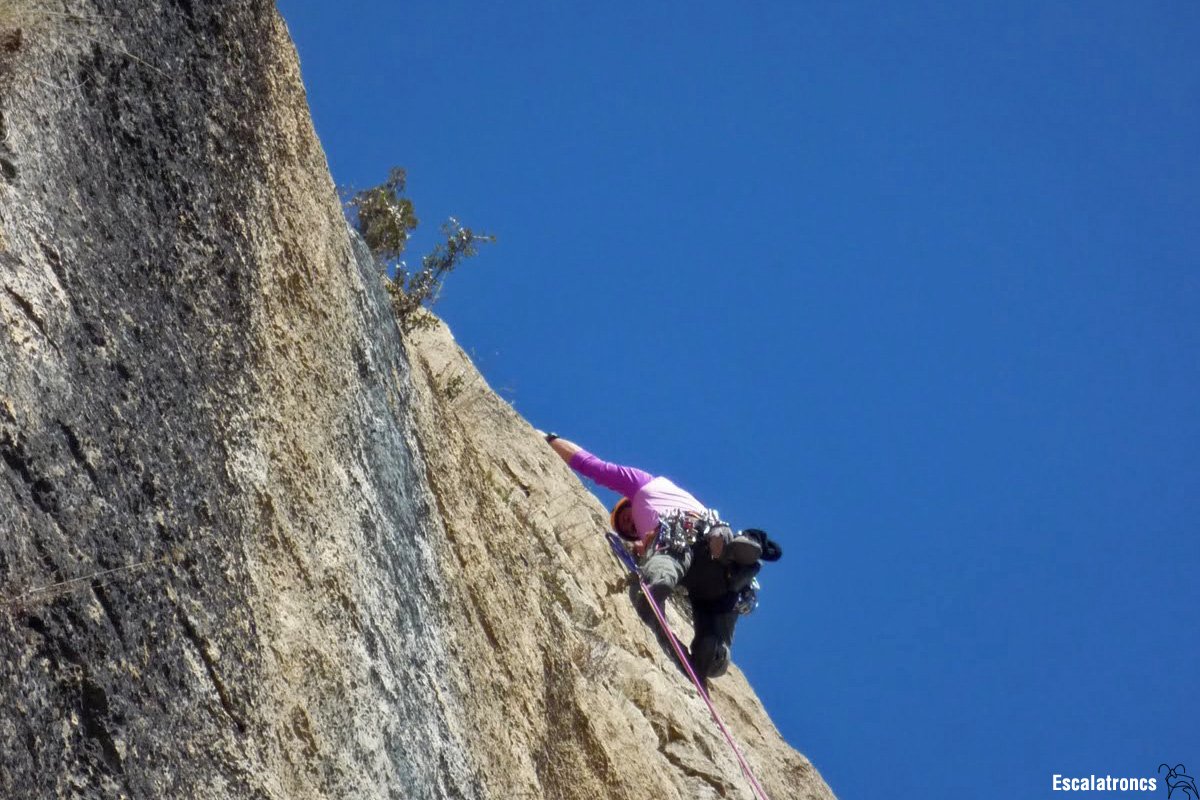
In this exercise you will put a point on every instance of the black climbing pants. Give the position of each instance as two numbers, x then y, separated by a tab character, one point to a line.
713	614
713	641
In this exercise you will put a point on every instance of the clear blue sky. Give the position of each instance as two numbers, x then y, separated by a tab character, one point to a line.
913	286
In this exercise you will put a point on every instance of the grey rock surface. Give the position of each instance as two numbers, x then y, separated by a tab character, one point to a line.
214	552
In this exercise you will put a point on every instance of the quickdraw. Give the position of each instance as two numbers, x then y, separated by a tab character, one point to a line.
747	599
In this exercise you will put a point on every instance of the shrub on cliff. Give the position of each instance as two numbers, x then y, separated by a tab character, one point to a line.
384	217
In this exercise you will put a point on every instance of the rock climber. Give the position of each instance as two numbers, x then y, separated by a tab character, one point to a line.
680	542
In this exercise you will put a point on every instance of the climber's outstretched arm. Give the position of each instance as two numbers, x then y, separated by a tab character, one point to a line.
623	480
564	448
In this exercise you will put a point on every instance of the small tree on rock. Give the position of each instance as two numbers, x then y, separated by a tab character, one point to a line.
384	217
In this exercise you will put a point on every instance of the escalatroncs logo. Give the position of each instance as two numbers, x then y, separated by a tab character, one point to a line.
1177	778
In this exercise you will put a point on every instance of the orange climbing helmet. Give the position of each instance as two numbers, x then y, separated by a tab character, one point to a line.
623	503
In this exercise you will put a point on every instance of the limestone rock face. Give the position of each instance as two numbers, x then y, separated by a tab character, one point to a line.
571	695
245	550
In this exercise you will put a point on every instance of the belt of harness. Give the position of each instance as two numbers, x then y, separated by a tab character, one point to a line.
627	560
679	530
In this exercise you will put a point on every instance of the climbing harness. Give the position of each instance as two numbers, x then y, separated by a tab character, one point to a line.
627	560
679	530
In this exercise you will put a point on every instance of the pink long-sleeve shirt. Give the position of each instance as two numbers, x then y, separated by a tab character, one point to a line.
650	497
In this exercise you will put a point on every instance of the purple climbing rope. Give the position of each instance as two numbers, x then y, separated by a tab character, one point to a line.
631	565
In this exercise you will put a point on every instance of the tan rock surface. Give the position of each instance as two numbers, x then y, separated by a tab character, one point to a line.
569	694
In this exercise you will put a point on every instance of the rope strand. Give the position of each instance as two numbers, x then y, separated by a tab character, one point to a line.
623	555
18	599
